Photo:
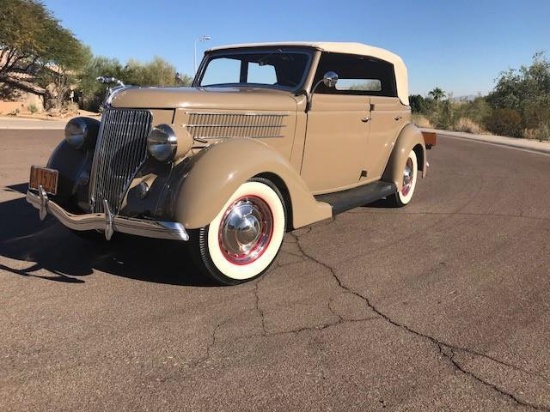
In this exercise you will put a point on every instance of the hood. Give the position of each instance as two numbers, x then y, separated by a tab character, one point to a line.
257	99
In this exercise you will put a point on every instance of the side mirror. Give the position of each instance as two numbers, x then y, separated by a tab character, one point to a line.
330	79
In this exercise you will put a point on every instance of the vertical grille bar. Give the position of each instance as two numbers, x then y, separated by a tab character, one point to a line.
120	149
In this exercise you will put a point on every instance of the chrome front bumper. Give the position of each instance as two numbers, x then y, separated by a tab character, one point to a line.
106	222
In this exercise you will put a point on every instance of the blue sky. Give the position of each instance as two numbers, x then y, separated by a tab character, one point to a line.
458	45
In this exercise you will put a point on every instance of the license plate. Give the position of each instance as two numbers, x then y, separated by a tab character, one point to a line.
46	177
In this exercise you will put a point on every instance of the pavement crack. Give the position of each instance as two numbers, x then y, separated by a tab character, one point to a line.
258	308
212	343
511	396
448	351
340	318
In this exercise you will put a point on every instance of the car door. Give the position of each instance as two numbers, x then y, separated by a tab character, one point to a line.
338	123
336	141
352	127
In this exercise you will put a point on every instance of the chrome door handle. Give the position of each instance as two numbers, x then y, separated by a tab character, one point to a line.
365	119
397	118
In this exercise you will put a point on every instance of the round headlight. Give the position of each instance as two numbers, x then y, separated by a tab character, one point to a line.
162	143
81	132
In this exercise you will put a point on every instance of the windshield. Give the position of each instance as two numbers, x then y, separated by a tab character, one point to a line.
284	69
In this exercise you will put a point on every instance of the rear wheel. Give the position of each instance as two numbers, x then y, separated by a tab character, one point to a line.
244	239
410	174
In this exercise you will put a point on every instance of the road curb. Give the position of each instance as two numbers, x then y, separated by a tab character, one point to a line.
14	123
515	143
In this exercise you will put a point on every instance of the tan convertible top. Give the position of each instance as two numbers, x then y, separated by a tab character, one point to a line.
349	48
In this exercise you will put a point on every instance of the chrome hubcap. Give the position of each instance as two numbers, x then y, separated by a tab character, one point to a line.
245	230
407	177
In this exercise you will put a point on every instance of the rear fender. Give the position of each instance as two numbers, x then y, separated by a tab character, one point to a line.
201	188
409	139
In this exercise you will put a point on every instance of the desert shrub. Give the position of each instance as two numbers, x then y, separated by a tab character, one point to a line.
421	121
33	109
543	132
71	108
467	125
536	111
504	122
476	109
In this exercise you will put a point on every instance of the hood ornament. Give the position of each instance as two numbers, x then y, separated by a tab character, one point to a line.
112	90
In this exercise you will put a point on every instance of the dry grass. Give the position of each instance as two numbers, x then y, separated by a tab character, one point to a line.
468	126
421	121
542	133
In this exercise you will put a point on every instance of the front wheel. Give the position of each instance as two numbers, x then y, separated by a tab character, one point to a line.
410	174
244	239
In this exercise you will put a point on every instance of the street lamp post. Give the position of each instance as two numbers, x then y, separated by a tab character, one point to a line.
200	39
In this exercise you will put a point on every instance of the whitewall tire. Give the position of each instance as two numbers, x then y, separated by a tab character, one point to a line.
409	176
243	240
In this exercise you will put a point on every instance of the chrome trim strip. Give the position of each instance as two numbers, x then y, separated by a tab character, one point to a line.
250	114
101	221
244	126
199	138
109	220
43	206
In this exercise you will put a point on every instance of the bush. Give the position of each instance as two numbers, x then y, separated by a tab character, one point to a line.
33	109
543	132
468	125
504	122
421	121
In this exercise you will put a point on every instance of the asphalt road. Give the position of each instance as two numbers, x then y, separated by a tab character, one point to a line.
442	305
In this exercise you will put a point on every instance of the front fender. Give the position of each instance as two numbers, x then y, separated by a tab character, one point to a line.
409	139
202	188
71	164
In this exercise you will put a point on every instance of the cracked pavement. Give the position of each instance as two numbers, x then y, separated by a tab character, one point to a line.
442	305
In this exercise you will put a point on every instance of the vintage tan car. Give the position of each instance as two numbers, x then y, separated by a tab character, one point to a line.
269	138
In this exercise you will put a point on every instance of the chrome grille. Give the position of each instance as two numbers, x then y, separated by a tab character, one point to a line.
120	149
222	125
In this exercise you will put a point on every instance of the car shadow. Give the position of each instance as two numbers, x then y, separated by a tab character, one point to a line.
380	204
53	252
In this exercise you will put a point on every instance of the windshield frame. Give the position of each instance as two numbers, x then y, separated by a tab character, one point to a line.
216	54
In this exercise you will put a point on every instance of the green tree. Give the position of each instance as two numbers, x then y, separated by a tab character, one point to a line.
33	42
92	91
183	79
437	94
525	91
157	72
419	105
440	110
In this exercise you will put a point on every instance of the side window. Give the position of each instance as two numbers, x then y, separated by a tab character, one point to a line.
358	75
369	85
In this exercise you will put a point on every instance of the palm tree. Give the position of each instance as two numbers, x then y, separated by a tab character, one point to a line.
437	94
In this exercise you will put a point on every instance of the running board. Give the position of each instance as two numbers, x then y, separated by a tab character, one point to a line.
358	196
